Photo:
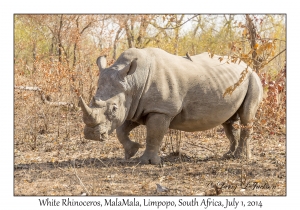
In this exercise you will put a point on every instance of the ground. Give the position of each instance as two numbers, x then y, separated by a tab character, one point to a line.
57	160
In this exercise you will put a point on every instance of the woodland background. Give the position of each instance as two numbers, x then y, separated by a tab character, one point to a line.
54	63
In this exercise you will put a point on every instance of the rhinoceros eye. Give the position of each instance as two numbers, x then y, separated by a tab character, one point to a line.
112	111
114	108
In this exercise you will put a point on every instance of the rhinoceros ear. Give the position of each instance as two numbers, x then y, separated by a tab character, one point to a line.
101	62
128	69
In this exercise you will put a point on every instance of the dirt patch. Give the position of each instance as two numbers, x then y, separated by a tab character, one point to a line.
73	166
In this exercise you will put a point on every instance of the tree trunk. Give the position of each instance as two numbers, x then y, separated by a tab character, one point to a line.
252	33
115	43
129	36
178	22
34	56
74	54
143	26
59	40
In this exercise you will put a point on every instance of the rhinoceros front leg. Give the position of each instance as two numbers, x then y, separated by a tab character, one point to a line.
123	136
157	126
233	134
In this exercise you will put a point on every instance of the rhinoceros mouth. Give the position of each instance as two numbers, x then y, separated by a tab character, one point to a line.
103	136
94	133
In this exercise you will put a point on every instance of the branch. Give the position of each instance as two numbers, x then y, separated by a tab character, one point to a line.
85	27
178	25
275	56
160	29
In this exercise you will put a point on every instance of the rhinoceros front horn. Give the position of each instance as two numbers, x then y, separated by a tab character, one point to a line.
85	108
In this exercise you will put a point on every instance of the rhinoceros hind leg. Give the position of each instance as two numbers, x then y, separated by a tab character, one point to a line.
123	136
247	114
243	150
157	126
232	132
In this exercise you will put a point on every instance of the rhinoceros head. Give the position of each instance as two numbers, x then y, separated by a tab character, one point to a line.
109	107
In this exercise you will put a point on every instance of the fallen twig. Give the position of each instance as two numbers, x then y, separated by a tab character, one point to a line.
81	183
28	88
102	162
43	97
202	147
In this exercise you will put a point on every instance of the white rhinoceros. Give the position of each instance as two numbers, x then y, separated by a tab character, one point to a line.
160	90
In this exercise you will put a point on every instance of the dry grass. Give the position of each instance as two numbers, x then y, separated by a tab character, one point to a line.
99	169
53	158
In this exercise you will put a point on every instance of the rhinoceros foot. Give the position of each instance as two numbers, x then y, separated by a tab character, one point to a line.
132	149
242	153
228	155
150	158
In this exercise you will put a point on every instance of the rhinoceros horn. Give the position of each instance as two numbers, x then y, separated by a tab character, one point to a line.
90	116
85	108
99	103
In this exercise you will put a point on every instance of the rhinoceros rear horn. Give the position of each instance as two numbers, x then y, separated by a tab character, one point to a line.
101	62
128	69
98	103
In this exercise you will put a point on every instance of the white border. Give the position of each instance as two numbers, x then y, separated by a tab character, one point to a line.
8	8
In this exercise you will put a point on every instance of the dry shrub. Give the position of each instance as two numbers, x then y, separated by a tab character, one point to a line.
271	116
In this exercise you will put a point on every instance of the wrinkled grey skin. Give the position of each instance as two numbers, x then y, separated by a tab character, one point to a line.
160	90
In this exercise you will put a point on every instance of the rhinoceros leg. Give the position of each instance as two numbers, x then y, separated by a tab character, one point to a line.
243	150
233	134
247	114
123	135
157	126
